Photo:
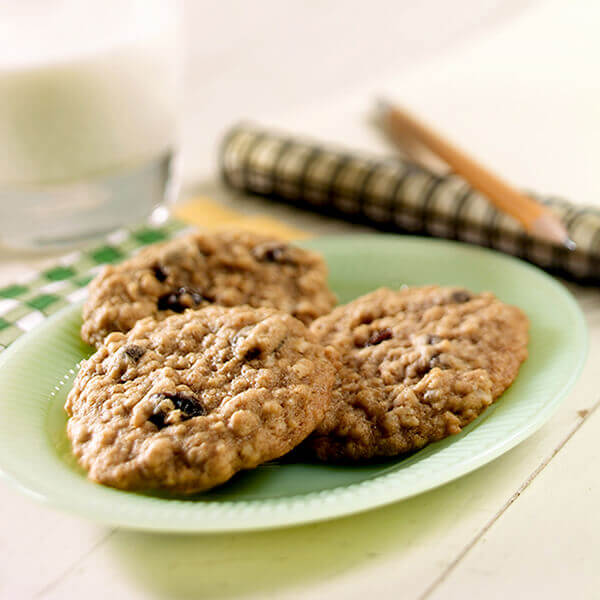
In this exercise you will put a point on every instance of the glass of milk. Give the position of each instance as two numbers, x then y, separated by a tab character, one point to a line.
89	92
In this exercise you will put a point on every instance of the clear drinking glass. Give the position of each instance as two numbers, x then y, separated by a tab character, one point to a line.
89	95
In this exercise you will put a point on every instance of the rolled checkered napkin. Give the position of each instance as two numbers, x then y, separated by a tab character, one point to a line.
396	195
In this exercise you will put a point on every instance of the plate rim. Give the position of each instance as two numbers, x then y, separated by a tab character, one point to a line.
325	510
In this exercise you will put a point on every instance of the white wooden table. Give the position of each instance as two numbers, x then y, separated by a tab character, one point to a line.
518	83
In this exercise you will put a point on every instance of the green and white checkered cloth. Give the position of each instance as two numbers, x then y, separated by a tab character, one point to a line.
37	295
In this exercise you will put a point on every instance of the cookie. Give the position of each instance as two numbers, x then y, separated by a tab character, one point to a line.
229	269
186	402
417	365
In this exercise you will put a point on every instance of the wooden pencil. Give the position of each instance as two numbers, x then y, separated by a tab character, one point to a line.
536	218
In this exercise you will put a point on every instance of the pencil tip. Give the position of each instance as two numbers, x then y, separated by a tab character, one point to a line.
549	227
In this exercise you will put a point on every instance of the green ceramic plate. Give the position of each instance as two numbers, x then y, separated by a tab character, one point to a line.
37	371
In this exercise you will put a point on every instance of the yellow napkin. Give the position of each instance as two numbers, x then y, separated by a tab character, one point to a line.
207	214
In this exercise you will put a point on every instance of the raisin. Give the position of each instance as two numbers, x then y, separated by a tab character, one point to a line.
134	352
187	404
460	296
159	273
273	253
181	299
157	419
252	354
379	336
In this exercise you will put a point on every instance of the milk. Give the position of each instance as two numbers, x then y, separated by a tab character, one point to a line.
88	94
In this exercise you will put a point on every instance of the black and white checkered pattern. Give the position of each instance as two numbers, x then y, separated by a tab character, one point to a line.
397	195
